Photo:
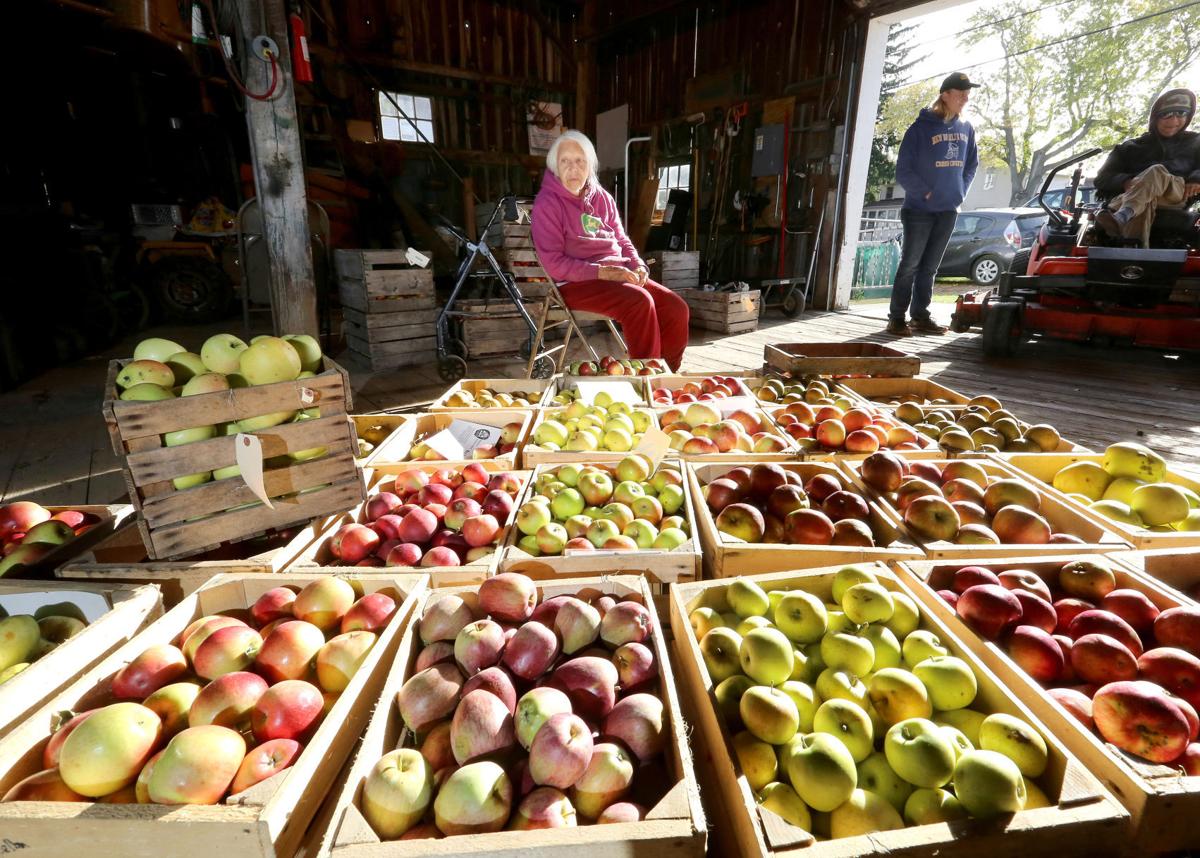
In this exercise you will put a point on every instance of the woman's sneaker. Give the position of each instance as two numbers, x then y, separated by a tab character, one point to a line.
899	329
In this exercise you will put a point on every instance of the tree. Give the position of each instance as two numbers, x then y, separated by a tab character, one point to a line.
1080	76
896	66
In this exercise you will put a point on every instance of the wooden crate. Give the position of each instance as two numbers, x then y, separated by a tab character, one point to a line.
112	518
888	391
176	524
929	449
1176	570
1161	800
512	245
538	386
726	557
1063	516
533	454
955	413
267	820
1085	821
676	382
675	826
675	269
1043	466
127	610
659	567
727	312
563	382
380	425
840	359
789	453
398	447
493	328
388	307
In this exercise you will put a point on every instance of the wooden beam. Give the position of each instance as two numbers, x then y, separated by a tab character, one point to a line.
274	130
566	51
435	69
585	71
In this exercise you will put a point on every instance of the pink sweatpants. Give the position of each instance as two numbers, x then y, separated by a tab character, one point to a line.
653	319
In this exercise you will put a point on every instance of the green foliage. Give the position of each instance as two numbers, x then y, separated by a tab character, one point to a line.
896	67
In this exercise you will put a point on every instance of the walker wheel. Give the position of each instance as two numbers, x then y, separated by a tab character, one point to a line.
792	307
452	368
543	368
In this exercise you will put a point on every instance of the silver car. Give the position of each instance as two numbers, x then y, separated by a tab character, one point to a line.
985	241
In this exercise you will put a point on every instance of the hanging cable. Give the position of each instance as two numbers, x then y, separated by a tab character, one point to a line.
232	72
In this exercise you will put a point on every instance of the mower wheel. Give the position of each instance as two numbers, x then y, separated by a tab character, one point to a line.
190	288
959	325
986	269
1020	262
1001	328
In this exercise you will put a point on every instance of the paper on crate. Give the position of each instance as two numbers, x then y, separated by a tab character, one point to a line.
249	456
620	391
461	437
654	445
730	404
416	257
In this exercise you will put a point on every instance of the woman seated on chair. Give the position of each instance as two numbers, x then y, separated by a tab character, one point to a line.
582	245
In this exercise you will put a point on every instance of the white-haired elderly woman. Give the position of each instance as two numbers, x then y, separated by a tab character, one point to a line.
582	245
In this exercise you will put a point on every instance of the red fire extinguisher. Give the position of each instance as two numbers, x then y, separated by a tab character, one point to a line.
301	65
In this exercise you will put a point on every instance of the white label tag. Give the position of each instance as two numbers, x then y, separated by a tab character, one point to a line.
461	438
249	457
730	404
416	257
620	391
654	445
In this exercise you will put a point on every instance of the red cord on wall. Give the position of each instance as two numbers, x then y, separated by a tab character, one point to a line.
229	69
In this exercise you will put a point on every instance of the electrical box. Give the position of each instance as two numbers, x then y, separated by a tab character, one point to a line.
768	159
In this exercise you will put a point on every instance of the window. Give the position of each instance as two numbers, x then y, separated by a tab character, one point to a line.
417	108
970	224
678	177
989	179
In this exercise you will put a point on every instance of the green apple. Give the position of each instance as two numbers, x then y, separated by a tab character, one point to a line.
988	784
781	799
849	724
801	616
927	806
863	812
1115	510
729	693
876	775
156	348
806	700
669	538
848	576
769	714
766	656
838	621
1130	459
221	353
189	436
867	603
756	758
147	392
550	432
845	651
821	771
744	627
1122	488
801	670
834	684
960	742
567	503
720	650
308	349
920	645
906	617
747	599
642	532
898	695
569	474
813	663
1085	478
671	499
702	620
1008	735
191	480
918	751
185	366
950	681
1035	797
967	721
529	544
885	644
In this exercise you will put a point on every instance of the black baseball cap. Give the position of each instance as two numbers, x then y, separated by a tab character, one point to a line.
957	80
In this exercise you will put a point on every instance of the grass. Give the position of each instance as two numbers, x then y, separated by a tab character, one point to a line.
937	299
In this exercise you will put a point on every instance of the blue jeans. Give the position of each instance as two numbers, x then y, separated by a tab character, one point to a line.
926	235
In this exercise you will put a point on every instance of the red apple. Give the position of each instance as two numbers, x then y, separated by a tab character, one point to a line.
380	505
287	710
844	504
353	542
269	758
46	785
1036	611
989	609
785	499
227	700
1036	652
1077	704
883	471
1139	718
480	530
1067	610
765	478
53	747
1132	606
851	531
639	721
531	651
429	696
1018	525
508	596
1189	760
1100	658
626	622
273	605
1103	622
742	521
635	665
417	526
590	683
155	667
1179	627
226	650
494	680
973	576
1024	579
369	614
324	602
482	724
440	556
404	554
821	486
388	528
1175	669
288	651
926	471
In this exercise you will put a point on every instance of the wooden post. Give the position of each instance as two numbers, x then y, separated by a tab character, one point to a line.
274	128
585	69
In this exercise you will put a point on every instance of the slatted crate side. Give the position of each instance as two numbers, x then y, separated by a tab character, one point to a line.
1158	797
1084	820
494	335
411	349
840	360
725	556
381	274
538	387
729	312
265	821
384	327
354	299
129	608
1176	570
675	826
677	270
360	356
882	391
398	448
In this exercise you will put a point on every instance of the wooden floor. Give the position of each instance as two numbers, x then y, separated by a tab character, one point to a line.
54	448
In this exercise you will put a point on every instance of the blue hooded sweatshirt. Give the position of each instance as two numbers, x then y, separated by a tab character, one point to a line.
937	156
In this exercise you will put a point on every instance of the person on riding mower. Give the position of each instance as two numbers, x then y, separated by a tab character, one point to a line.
1161	167
580	242
936	164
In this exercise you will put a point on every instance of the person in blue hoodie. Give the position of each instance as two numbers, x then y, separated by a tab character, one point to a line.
937	162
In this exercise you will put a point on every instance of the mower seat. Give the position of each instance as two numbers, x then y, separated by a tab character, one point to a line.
1175	228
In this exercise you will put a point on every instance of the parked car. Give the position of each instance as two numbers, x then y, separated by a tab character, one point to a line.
1059	198
984	242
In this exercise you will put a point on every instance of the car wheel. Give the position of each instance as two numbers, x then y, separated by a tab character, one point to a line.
986	270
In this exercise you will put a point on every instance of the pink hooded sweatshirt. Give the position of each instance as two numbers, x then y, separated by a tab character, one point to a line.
574	236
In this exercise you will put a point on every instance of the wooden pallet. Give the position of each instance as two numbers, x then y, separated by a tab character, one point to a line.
677	270
674	826
727	312
839	359
1085	819
266	821
127	610
179	523
1162	801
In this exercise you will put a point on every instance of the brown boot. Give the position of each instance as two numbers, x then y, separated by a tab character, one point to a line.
1108	224
899	329
926	326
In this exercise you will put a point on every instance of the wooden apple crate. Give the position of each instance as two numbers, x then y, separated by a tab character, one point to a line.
840	359
267	820
676	269
726	556
1063	516
1162	801
129	609
112	518
1176	570
563	382
494	328
1064	445
789	453
677	381
929	450
380	424
1043	466
398	447
538	386
317	553
1085	821
659	567
388	307
883	391
534	455
512	245
675	826
726	312
176	524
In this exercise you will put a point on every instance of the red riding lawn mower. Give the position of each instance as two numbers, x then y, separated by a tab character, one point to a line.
1076	283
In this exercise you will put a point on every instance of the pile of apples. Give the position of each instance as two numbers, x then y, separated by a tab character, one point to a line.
1106	654
960	502
848	718
699	430
895	401
29	531
615	427
227	705
983	426
430	518
770	504
510	434
858	429
609	365
1129	486
524	716
624	507
488	398
162	369
705	390
24	638
814	391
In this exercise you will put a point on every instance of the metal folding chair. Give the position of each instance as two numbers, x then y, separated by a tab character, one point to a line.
555	313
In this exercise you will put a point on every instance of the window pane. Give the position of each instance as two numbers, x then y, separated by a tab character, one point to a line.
385	106
424	108
685	176
662	174
407	132
390	127
660	201
426	129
